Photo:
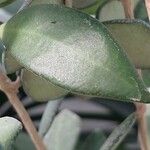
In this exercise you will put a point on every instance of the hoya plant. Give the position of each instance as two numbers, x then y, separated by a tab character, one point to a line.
89	48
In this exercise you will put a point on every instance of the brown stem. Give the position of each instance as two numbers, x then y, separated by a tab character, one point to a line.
11	89
142	122
140	108
147	3
142	126
128	10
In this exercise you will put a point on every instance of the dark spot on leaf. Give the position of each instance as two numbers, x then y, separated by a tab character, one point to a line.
53	22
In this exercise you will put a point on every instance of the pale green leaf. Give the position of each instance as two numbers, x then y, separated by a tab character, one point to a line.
40	89
64	132
9	129
112	9
35	2
146	77
48	116
133	36
117	136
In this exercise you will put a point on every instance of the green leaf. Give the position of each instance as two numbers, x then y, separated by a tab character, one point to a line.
84	60
80	4
5	2
2	48
112	9
133	36
23	142
48	116
119	133
146	77
40	89
25	4
91	9
11	65
140	11
94	141
9	129
64	132
35	2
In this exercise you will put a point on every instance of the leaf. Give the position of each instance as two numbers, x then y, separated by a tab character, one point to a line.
112	9
146	78
48	116
140	11
5	2
35	2
94	141
64	132
91	9
119	133
133	36
9	129
80	4
115	9
23	142
40	89
84	60
8	11
11	65
25	4
2	48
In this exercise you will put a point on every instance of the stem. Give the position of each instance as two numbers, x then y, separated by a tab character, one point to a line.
128	10
140	108
11	89
147	3
142	126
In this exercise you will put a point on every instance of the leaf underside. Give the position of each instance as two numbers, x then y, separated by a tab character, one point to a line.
40	89
133	36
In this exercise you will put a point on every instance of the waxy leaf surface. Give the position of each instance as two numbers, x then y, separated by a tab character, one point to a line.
72	50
